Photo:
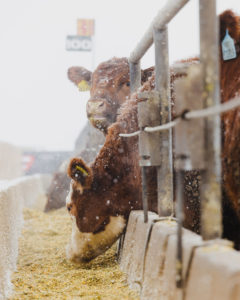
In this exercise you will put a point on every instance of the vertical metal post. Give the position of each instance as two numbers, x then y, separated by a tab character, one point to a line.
180	217
144	194
162	86
189	143
211	220
135	76
135	83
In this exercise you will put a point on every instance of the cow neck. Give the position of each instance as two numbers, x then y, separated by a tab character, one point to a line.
237	47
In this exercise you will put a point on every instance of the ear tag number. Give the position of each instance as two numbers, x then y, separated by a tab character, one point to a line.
228	47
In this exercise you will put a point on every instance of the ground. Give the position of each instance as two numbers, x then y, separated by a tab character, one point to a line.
44	273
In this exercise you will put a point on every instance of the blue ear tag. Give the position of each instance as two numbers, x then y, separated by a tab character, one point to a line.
228	47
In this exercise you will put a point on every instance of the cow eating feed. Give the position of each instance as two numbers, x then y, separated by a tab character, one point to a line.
103	194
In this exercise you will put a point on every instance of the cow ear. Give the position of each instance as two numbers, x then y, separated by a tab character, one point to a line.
81	77
80	173
146	74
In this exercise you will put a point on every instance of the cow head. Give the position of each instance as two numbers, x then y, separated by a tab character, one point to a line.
94	226
109	87
231	22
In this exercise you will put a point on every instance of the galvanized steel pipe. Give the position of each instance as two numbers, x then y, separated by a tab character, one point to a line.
211	221
164	16
135	76
162	86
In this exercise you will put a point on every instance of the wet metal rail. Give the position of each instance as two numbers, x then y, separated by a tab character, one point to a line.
155	148
194	114
164	16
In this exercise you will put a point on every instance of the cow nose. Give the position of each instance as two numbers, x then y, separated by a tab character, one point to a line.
96	107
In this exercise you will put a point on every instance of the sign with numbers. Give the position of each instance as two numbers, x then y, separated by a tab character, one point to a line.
79	43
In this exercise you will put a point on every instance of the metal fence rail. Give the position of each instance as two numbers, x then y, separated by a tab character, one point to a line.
163	17
155	148
194	114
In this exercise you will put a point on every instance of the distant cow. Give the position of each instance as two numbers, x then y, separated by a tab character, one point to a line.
103	194
57	191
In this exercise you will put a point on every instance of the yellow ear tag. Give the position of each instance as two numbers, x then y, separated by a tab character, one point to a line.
83	86
82	170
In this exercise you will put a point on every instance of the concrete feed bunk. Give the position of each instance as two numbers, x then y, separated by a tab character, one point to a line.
14	196
211	270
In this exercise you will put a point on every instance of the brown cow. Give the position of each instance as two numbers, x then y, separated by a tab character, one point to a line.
57	191
103	194
109	89
230	87
114	178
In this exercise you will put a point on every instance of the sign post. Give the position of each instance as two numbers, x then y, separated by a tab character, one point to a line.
84	40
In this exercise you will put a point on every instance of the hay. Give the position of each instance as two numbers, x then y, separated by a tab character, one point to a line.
44	272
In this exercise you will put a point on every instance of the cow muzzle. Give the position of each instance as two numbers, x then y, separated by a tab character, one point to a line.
83	247
100	113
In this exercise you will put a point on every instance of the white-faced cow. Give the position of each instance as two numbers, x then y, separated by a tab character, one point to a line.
103	194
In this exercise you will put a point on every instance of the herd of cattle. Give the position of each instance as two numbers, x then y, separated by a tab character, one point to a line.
103	193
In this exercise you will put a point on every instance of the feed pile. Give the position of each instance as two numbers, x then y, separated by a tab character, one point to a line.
44	273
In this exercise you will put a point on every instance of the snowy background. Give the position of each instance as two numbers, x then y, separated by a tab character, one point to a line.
40	108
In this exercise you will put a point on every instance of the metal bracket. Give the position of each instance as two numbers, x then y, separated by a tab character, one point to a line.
189	135
149	115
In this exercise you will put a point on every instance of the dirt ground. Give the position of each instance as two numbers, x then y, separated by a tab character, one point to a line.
44	273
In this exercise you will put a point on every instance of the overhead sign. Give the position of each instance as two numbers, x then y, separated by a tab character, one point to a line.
85	27
78	43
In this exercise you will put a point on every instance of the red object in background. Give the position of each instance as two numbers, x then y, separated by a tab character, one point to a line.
85	27
27	162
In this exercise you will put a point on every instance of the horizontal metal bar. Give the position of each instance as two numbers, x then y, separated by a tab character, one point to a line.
194	114
163	17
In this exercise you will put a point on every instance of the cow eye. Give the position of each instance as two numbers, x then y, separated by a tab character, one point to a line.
128	83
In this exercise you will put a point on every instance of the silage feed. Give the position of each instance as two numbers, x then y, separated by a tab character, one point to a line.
43	272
